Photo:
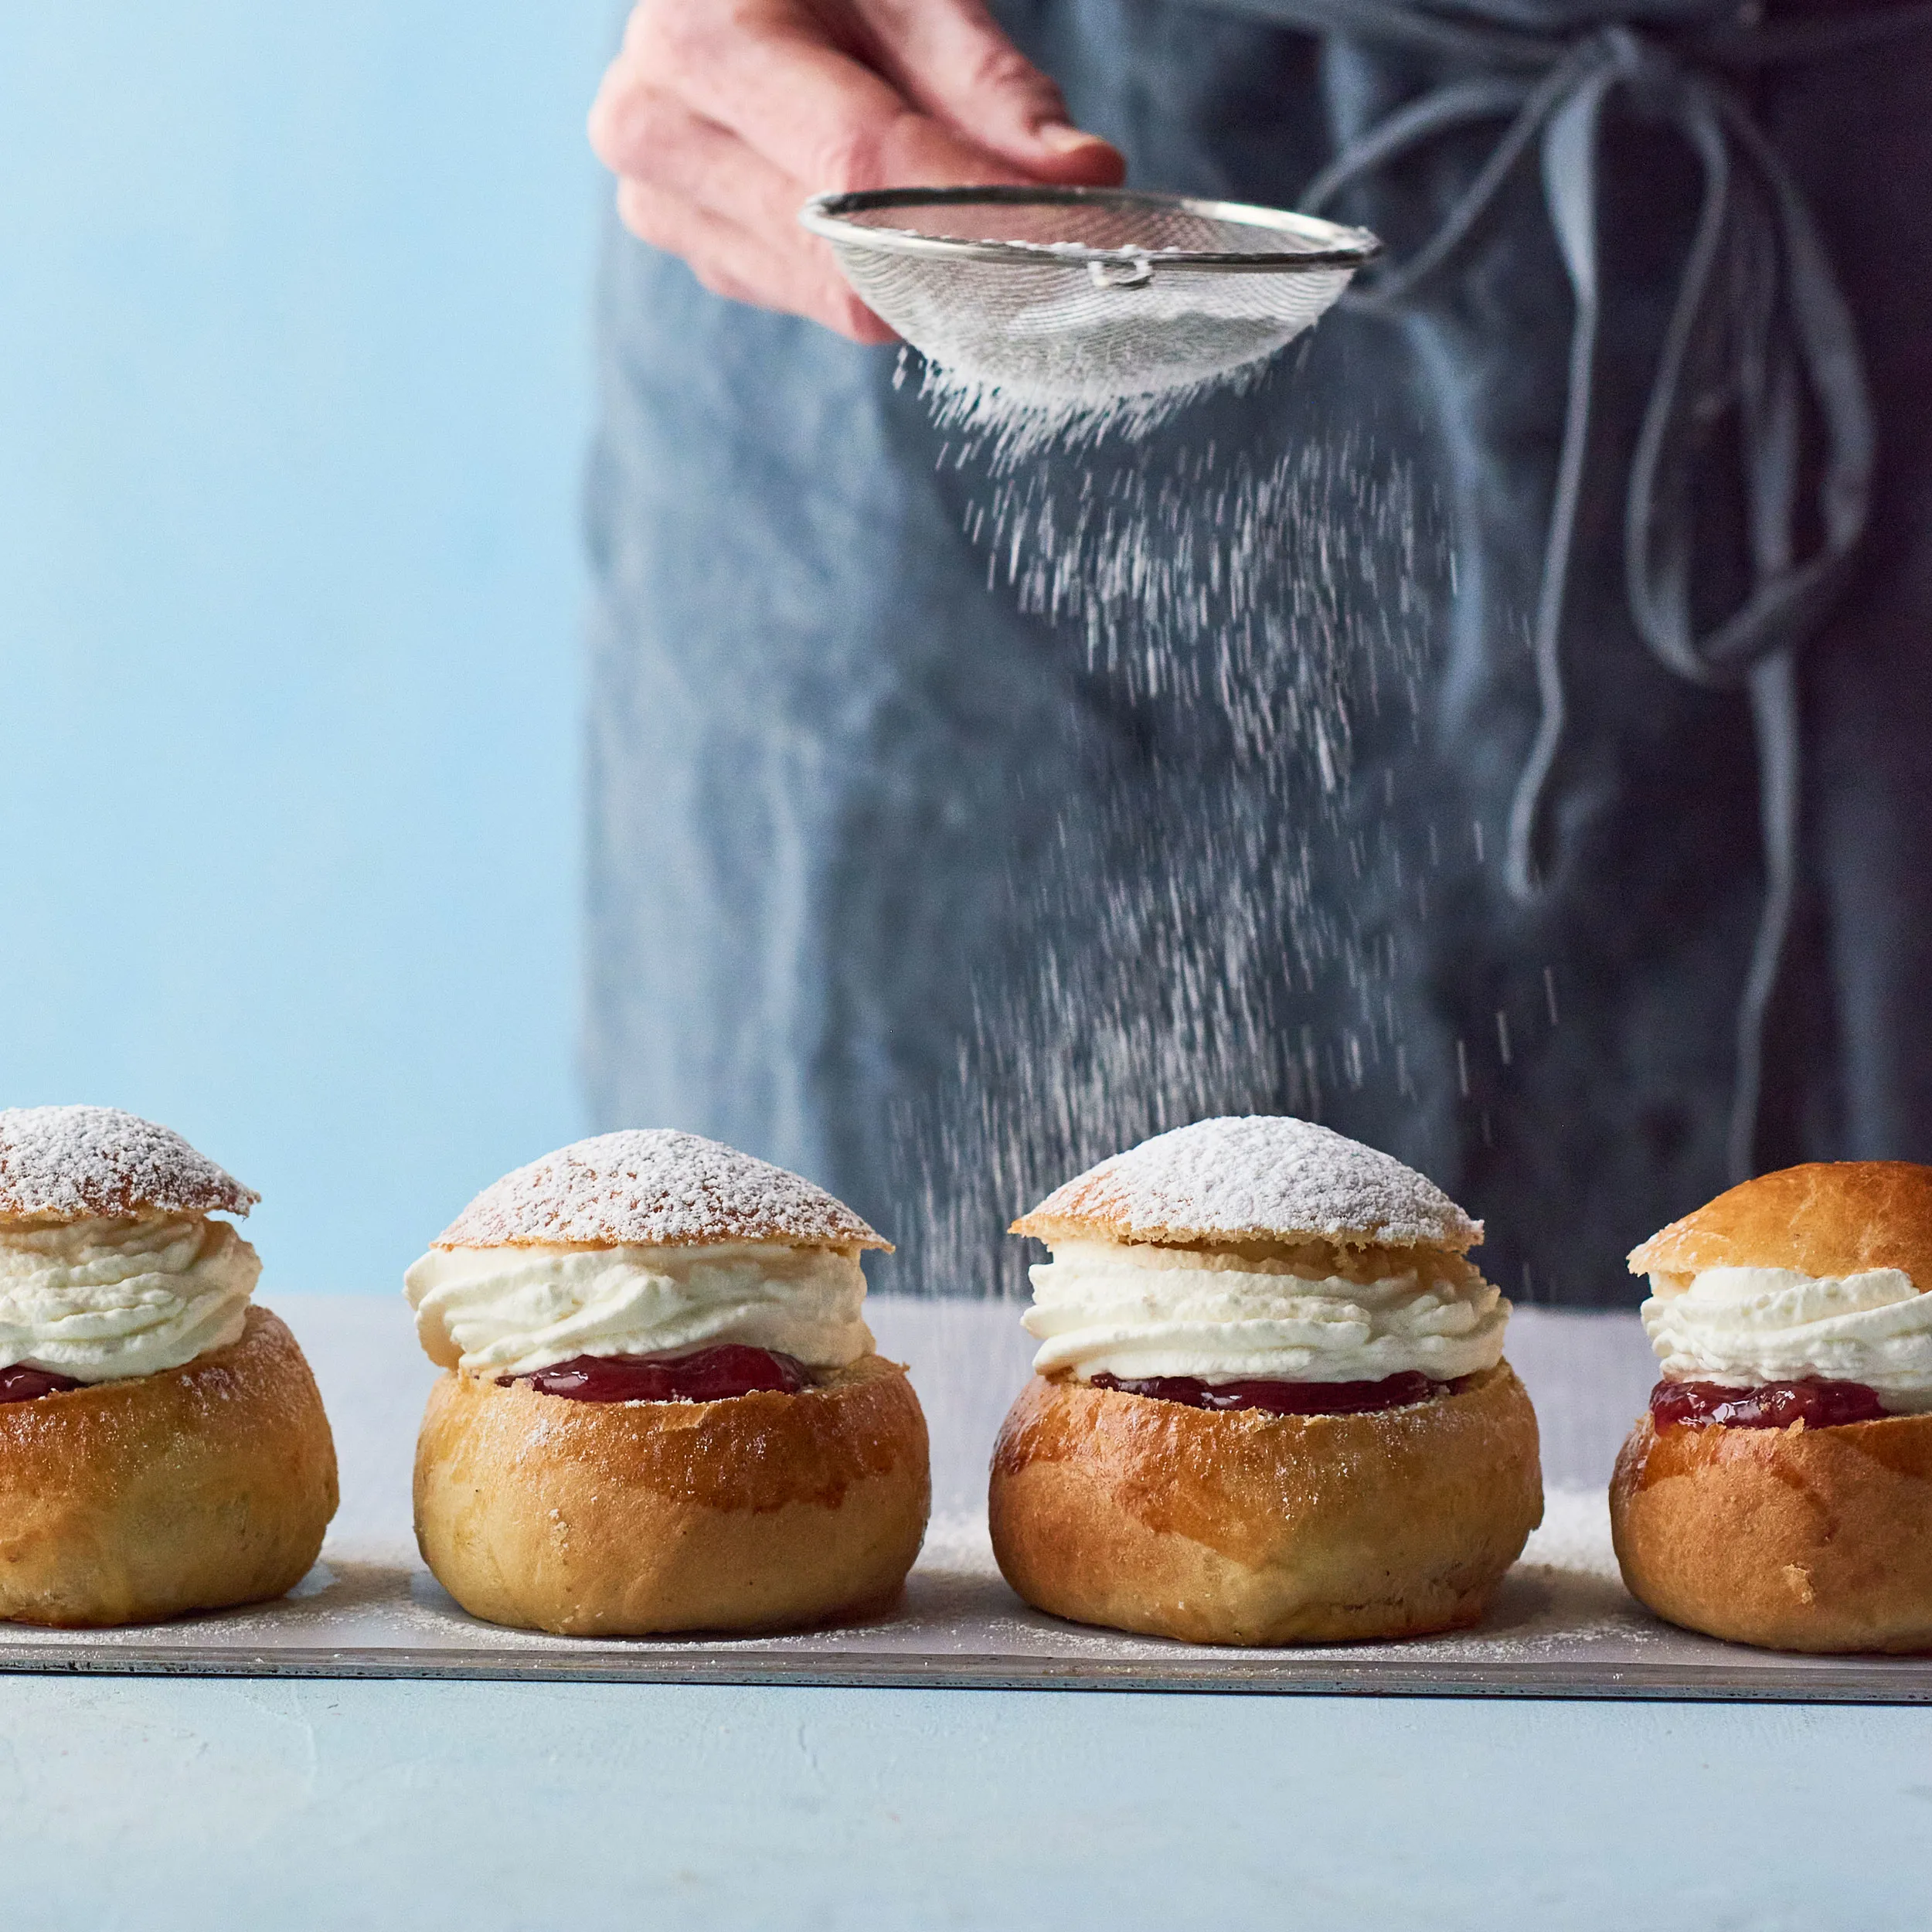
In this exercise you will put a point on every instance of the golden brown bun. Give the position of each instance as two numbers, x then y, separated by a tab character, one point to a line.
1238	1527
653	1187
1810	1540
1827	1218
624	1519
191	1489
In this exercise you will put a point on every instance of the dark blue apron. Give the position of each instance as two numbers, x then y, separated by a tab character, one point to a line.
1559	822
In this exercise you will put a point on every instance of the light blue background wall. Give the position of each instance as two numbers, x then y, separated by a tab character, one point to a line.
293	386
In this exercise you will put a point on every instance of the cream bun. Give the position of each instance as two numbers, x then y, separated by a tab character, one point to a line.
1778	1492
1270	1404
163	1446
663	1410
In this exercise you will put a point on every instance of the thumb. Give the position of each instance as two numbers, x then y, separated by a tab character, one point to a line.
950	58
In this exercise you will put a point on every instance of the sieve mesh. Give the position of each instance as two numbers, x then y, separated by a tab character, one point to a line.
1086	296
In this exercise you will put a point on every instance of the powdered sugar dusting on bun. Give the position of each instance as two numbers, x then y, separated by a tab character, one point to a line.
653	1187
62	1164
1260	1177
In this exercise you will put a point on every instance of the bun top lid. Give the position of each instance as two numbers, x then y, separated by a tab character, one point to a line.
1828	1218
653	1187
59	1164
1259	1177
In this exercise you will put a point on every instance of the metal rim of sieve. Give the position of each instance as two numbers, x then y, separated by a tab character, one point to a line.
1326	244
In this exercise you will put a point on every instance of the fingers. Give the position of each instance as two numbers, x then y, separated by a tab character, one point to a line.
740	263
691	187
821	115
720	118
953	60
652	136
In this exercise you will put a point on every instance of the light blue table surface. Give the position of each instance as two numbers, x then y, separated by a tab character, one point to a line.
156	1804
153	1804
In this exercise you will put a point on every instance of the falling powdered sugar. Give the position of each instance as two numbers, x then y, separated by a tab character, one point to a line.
1209	928
1009	426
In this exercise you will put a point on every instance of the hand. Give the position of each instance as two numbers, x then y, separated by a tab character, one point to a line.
720	118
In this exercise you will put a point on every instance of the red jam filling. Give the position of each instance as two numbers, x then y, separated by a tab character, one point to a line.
707	1375
1282	1398
1816	1403
22	1384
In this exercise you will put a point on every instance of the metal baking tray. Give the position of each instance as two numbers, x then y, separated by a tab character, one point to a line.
1562	1628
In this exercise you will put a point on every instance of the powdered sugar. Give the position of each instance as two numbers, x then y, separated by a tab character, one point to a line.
1211	924
654	1187
1256	1178
1010	426
78	1163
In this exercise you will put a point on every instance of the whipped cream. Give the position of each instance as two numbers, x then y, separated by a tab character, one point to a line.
1743	1327
1134	1310
512	1311
102	1300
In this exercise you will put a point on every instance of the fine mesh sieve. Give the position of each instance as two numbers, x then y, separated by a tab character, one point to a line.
1086	295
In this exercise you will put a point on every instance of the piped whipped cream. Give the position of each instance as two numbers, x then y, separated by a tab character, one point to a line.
512	1311
1744	1327
104	1299
1135	1310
